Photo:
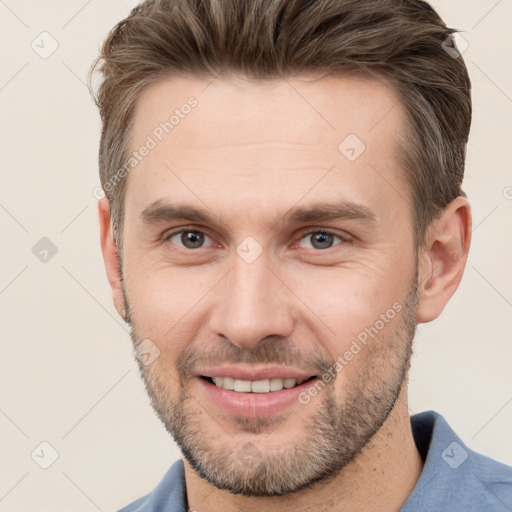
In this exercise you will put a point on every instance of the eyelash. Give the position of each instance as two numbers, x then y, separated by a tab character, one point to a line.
324	232
302	235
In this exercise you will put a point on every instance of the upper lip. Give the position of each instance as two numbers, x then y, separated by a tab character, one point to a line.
255	373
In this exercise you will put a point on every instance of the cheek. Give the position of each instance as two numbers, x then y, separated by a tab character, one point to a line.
373	360
158	290
350	300
165	303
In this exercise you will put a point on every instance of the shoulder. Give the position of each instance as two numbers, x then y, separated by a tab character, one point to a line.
455	477
493	478
169	495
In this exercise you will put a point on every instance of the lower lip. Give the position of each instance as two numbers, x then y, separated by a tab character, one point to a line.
251	405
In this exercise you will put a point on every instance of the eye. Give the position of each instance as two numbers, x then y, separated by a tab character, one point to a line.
320	240
188	238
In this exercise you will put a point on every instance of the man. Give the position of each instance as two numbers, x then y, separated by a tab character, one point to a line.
283	207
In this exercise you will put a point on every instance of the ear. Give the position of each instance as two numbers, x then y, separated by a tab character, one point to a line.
443	259
110	256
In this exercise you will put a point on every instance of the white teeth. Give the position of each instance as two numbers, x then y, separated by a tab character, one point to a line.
260	386
256	386
276	384
243	386
228	383
289	383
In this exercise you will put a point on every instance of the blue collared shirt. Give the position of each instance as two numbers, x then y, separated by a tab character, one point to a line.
454	478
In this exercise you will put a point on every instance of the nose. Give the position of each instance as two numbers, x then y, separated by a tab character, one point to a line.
253	303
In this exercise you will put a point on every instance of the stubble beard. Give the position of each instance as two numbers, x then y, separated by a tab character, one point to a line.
331	439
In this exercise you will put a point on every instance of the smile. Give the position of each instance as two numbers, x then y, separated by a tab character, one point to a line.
256	386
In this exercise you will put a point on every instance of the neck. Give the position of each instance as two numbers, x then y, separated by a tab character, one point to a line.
380	478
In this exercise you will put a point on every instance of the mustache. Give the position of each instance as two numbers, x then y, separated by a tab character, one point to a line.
268	351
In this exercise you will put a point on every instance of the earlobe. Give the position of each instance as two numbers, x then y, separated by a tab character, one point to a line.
110	256
443	259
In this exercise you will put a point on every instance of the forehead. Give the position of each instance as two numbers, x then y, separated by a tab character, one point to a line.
251	142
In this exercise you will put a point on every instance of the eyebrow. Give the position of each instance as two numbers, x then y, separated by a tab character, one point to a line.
325	211
159	212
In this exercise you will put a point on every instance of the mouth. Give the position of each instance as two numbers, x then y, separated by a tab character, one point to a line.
251	394
254	391
271	385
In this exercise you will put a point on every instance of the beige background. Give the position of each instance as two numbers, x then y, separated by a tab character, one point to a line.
66	367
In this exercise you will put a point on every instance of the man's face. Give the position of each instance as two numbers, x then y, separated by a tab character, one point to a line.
299	264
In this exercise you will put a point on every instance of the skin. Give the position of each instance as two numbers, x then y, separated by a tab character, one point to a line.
247	154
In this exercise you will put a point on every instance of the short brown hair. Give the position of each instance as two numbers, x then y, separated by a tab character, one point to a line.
403	42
